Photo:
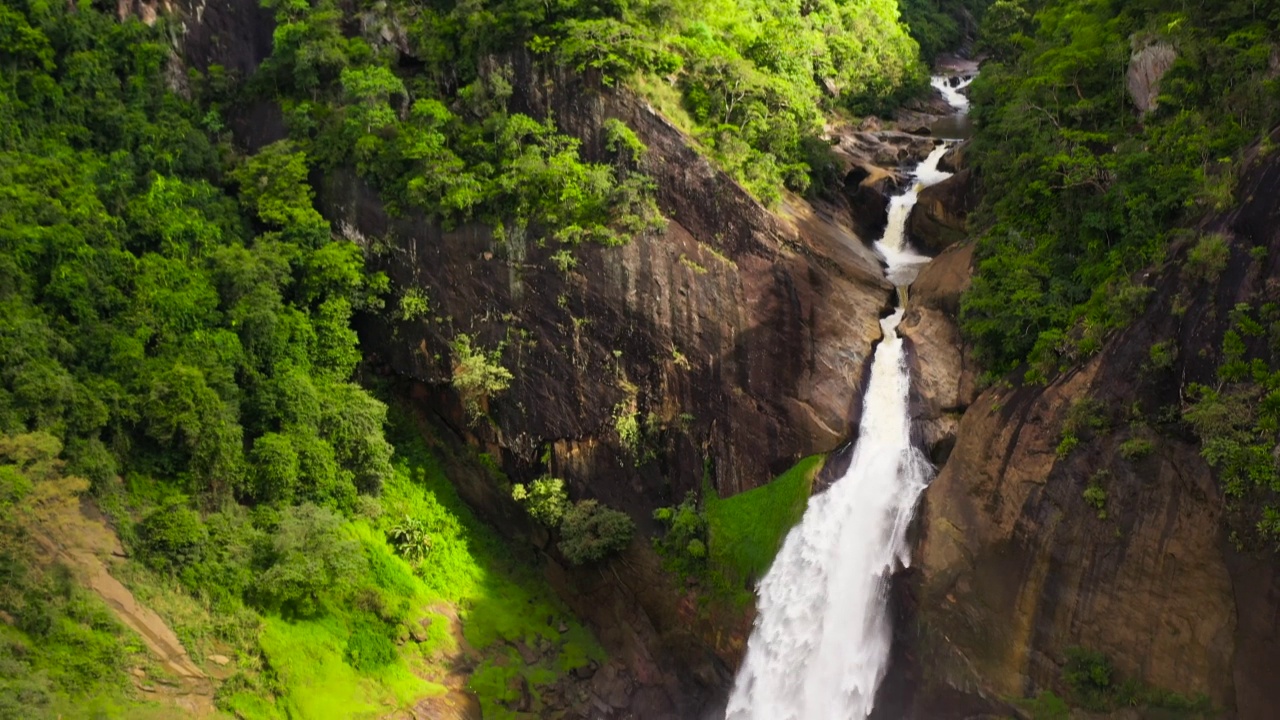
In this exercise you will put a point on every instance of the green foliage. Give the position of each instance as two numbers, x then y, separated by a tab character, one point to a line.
369	648
1096	495
590	532
626	423
1207	259
61	651
172	536
1081	193
477	375
684	544
545	499
410	538
1238	423
1046	706
1136	447
1083	420
1162	355
309	563
1089	675
413	305
939	26
1095	685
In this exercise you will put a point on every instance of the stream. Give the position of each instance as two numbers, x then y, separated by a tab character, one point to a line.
820	646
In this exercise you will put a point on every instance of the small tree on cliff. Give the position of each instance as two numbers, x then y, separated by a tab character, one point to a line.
477	375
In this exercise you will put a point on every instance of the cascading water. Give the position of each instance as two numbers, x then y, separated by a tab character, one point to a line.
821	642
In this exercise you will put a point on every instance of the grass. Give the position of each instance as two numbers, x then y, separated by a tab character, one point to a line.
746	531
318	683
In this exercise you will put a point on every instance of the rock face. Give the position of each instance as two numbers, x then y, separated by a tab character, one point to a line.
735	334
1147	67
939	217
1016	565
943	381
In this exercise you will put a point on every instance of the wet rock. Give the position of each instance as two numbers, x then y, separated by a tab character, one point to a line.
953	160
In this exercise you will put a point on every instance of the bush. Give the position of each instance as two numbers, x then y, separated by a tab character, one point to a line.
1136	447
684	543
1089	675
544	499
477	375
274	464
308	562
410	538
591	532
172	536
1207	259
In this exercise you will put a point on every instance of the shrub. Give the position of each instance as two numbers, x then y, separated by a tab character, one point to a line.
1207	259
275	468
413	305
172	536
1136	447
410	538
544	499
591	532
1096	495
1089	675
309	560
684	543
477	375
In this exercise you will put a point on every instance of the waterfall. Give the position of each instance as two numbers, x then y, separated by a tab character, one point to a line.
820	645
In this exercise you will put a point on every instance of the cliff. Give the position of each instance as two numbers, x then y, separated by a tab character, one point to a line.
1035	547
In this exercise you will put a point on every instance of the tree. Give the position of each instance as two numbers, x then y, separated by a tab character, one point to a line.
309	562
591	532
275	467
544	499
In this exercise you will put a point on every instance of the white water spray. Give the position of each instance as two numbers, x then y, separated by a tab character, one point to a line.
821	642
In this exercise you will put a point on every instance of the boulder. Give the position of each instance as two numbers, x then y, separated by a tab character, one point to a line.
1147	67
953	160
941	213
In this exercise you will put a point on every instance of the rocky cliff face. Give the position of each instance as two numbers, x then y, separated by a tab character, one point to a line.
1016	564
735	335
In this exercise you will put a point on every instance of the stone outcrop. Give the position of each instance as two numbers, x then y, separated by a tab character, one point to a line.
941	213
943	377
1147	67
1016	565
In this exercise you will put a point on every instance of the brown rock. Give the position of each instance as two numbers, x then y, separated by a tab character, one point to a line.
938	220
953	160
941	283
219	659
938	370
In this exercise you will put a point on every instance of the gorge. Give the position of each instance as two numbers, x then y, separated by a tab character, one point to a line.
535	360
